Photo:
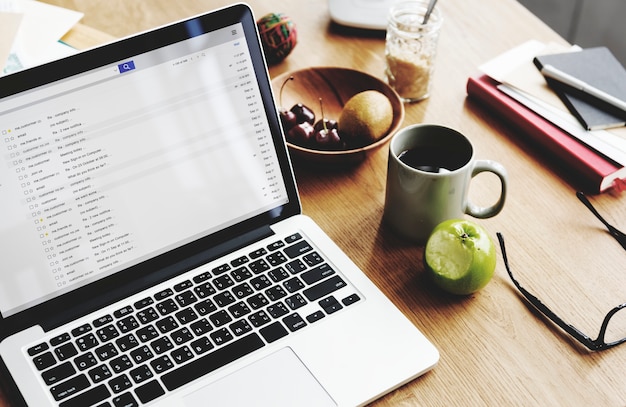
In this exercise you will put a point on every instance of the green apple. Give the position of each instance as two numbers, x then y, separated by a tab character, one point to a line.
460	256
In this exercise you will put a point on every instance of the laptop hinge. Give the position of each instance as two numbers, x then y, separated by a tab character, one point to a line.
113	290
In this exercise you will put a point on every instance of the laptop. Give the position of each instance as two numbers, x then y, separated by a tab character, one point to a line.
153	246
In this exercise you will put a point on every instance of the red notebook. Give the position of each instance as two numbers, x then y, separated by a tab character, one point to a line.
597	172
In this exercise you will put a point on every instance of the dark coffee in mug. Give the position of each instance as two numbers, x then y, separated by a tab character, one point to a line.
435	159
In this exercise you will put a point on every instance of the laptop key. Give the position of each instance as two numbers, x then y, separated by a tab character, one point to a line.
140	374
69	387
330	305
143	303
106	351
293	284
221	336
107	333
293	238
141	354
37	349
294	322
351	299
297	249
312	259
205	307
122	312
182	286
275	246
276	258
86	342
204	290
295	301
316	316
147	315
149	391
273	332
99	373
120	383
127	324
324	288
166	307
185	298
163	294
127	342
201	327
66	350
259	266
240	327
202	345
258	253
120	364
239	261
241	274
103	320
81	330
202	277
161	364
318	273
58	373
147	333
59	339
85	361
295	266
212	361
278	274
181	355
221	269
88	398
125	400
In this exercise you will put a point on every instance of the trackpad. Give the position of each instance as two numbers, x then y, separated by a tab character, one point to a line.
278	380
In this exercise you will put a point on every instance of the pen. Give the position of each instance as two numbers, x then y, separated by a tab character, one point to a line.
560	76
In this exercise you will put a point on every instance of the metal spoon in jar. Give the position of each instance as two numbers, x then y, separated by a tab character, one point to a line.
429	10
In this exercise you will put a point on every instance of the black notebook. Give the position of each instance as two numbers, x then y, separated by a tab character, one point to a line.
599	68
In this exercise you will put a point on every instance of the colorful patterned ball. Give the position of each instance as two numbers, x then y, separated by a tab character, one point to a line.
278	36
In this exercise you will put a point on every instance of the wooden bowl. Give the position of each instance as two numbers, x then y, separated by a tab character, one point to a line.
335	86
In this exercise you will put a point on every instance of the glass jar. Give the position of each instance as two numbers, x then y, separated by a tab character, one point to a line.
411	48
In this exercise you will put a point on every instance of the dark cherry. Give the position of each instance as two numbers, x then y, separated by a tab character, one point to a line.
301	134
288	119
326	132
328	139
326	123
303	113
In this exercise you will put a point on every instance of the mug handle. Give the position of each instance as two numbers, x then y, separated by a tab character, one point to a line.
493	210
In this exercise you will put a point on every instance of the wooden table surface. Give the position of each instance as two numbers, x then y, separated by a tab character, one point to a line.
495	349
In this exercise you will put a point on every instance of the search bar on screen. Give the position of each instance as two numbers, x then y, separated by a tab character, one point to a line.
66	85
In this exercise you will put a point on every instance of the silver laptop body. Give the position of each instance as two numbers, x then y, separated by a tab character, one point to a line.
153	246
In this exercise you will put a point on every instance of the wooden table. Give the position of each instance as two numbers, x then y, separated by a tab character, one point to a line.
495	350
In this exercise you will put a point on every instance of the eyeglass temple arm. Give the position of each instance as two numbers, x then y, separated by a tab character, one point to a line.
536	302
617	234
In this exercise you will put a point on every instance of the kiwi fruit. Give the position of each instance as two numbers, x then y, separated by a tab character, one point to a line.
366	116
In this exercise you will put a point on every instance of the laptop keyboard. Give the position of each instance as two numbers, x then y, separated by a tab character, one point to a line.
170	338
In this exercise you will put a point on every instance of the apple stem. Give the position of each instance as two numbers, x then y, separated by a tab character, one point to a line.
280	96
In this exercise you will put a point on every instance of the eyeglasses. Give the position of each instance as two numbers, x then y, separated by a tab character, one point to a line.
593	344
617	235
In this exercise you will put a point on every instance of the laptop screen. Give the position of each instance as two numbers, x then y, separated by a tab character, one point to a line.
110	167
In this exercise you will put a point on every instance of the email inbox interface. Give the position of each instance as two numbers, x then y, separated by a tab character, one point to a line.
154	152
